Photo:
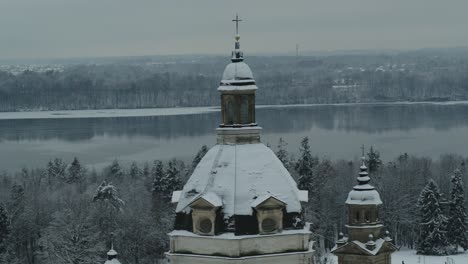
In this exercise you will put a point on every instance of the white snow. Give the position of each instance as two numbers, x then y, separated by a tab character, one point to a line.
262	198
237	71
304	196
409	256
211	198
364	197
237	87
238	174
176	196
112	261
107	113
233	236
378	244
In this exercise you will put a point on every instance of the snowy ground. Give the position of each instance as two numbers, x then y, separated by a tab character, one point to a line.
409	257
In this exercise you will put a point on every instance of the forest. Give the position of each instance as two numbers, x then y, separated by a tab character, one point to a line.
66	212
178	81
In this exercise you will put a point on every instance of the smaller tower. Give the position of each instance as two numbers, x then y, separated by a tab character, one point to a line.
112	257
112	254
365	242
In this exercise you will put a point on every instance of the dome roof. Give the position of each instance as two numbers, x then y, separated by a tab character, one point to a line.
365	197
237	76
237	71
239	175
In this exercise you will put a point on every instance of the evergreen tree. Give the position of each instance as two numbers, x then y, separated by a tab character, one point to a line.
305	166
56	170
457	225
200	154
433	235
171	179
373	160
115	171
157	173
134	171
4	227
282	153
76	172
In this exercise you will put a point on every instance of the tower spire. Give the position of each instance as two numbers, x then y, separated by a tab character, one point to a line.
237	54
363	177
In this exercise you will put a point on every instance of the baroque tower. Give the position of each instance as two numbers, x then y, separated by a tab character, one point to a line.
365	243
240	205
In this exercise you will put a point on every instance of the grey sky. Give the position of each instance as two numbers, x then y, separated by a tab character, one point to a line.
77	28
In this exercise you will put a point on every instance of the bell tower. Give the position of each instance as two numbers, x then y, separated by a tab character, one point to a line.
237	90
365	243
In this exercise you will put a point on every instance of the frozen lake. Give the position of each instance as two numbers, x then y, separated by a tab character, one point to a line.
97	137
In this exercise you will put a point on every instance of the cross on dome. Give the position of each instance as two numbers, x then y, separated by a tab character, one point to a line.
237	20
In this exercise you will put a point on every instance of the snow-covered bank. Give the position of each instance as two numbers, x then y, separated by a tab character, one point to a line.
107	113
103	113
408	256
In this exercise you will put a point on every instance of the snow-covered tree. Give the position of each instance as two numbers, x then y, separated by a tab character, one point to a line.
200	154
282	153
115	170
134	171
157	173
70	238
172	178
457	225
107	193
56	170
433	234
305	165
373	160
76	172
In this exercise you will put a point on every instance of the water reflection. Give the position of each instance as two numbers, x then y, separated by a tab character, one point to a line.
349	118
335	132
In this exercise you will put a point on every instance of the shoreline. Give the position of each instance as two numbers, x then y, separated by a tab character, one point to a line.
149	112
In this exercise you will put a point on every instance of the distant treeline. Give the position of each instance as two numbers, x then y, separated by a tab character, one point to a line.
282	80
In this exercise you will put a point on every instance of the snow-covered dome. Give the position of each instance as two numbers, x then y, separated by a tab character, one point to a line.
237	71
364	197
239	175
237	76
363	193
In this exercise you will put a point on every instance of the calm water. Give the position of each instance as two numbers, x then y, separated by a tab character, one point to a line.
335	131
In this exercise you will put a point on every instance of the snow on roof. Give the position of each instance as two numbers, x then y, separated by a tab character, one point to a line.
112	261
234	87
210	197
231	235
176	196
378	245
238	174
112	252
237	71
363	197
262	198
304	196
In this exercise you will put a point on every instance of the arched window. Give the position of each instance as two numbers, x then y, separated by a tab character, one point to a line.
367	216
356	217
229	111
244	110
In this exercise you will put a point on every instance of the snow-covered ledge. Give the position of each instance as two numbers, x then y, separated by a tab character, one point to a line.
229	245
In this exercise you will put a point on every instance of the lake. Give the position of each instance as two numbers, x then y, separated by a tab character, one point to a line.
97	137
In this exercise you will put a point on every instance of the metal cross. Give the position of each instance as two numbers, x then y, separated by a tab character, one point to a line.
362	148
237	20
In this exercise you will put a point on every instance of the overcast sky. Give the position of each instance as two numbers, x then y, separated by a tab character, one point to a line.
90	28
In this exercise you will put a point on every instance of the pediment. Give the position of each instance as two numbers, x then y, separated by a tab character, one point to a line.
267	201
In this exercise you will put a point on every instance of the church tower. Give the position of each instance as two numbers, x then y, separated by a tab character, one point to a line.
240	205
365	243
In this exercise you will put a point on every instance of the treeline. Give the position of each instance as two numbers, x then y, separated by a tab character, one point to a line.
283	80
67	213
